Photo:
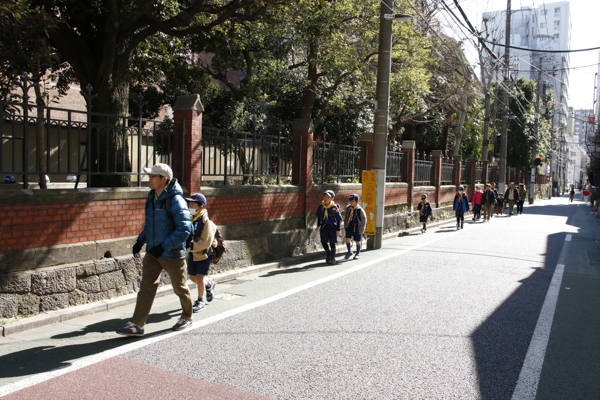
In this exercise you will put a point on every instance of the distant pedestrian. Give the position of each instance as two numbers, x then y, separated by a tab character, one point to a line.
461	206
500	204
476	201
425	212
201	249
166	229
586	194
488	200
522	197
355	222
329	218
511	196
572	193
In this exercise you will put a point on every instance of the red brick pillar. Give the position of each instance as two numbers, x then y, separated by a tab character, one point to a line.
436	157
187	143
366	152
303	131
408	164
457	161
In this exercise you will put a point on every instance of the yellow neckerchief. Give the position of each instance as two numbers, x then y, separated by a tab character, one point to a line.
326	208
423	206
352	212
199	215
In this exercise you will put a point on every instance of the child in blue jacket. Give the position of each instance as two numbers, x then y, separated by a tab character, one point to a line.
329	224
461	206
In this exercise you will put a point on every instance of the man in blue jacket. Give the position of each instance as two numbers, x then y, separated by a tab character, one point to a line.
168	226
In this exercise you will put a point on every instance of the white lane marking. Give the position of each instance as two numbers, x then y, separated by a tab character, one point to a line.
529	378
568	238
38	378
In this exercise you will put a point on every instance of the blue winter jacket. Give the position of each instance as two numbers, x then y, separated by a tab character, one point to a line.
161	229
461	205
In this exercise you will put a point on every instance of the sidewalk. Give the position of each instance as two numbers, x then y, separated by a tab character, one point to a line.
67	314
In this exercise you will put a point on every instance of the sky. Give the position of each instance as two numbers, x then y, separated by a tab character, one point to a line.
585	19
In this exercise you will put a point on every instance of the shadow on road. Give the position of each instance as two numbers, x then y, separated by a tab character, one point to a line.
500	344
47	358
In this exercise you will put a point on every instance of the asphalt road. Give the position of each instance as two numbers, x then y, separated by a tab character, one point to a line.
443	315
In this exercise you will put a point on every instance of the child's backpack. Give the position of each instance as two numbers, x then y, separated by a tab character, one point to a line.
221	248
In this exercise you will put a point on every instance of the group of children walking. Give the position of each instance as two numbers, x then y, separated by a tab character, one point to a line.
329	219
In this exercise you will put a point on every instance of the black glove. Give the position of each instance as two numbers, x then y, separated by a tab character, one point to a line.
137	247
189	243
157	251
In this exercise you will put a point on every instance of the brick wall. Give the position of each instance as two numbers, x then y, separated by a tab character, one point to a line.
26	226
235	209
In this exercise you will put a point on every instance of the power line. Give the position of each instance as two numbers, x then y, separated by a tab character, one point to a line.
542	51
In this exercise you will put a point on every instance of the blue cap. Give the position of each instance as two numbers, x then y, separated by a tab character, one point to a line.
461	187
8	179
423	196
329	193
198	198
354	197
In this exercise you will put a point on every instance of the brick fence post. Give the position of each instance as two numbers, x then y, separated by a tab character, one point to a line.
473	171
366	152
436	157
187	142
408	162
303	131
457	161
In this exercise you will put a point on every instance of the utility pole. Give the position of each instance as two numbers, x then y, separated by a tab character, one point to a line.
536	127
486	121
504	142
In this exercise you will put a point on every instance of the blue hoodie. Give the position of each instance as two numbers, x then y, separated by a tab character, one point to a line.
159	229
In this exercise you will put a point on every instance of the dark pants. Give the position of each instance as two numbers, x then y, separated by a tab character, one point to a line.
520	206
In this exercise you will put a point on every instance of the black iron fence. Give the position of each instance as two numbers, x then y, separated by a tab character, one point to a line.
478	174
335	162
424	171
234	157
63	141
447	173
465	174
394	170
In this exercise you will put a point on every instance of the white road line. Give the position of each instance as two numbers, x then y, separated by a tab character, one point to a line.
529	378
35	379
568	238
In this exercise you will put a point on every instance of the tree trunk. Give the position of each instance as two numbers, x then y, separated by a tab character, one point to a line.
109	146
459	127
310	93
39	136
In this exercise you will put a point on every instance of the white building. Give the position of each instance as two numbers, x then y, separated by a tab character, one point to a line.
545	27
581	127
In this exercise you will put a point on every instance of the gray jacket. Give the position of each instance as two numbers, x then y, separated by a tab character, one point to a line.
360	218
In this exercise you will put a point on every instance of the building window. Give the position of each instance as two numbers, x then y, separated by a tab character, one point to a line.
556	36
544	12
557	12
543	25
493	19
556	25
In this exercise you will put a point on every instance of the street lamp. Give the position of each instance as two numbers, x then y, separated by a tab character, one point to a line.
382	97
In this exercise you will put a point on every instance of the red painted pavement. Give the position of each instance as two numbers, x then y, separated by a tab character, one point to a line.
118	378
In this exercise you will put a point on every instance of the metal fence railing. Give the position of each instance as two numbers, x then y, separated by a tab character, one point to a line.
478	174
465	174
424	172
235	157
447	173
394	171
335	162
67	142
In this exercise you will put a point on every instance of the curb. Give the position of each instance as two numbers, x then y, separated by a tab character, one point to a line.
53	317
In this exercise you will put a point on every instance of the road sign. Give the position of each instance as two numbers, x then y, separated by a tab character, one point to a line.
369	197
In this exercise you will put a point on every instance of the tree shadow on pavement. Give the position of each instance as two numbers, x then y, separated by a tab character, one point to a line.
47	358
304	268
500	344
